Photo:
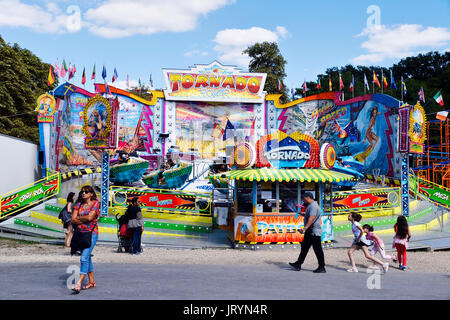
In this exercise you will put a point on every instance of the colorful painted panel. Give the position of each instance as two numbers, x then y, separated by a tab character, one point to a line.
181	201
362	127
29	195
365	199
214	83
207	128
262	229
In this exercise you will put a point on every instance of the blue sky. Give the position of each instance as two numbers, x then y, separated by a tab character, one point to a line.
140	37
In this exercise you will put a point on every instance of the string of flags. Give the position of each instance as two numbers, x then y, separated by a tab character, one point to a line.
375	81
62	70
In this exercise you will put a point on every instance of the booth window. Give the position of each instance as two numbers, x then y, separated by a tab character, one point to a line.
244	196
266	197
288	196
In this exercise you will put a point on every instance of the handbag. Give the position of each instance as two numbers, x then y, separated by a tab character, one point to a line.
80	241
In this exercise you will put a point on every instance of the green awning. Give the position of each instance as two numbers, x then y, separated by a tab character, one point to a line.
269	174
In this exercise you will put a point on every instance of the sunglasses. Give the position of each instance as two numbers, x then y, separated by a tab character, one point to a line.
84	191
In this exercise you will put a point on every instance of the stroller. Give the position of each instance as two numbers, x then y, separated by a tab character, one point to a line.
123	234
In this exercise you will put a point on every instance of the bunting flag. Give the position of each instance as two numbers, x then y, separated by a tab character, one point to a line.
421	94
252	129
93	73
138	89
403	86
438	98
217	131
375	80
279	85
83	77
393	85
107	89
63	69
229	131
385	83
366	82
115	75
57	68
104	73
329	84
72	70
318	86
341	83
442	115
51	79
352	84
304	88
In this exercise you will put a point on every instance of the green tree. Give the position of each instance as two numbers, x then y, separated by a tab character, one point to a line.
23	78
267	58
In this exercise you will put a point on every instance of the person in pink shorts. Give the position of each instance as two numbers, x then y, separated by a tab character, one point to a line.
378	245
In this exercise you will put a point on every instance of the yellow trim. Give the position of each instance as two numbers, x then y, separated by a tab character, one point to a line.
45	217
167	216
152	102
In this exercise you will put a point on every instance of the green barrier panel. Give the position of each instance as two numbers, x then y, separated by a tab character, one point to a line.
33	225
385	222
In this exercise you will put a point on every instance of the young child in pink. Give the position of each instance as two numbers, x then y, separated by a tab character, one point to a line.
378	244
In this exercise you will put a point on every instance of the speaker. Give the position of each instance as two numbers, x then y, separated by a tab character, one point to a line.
41	157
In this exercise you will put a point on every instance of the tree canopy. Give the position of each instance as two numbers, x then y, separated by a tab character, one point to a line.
430	71
23	78
267	58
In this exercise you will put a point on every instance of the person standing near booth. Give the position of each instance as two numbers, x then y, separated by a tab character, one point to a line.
312	234
84	217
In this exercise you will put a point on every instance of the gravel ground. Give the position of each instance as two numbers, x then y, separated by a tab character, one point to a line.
12	251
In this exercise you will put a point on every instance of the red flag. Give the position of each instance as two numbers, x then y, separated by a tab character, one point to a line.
375	80
318	85
51	79
279	85
341	83
83	78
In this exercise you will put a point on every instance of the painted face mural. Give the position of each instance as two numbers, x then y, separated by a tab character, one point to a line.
362	128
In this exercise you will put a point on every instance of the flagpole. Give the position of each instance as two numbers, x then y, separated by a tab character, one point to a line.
364	83
382	80
401	84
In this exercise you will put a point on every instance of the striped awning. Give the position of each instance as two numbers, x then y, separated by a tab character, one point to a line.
269	174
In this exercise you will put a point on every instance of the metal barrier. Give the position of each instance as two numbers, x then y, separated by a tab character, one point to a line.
31	194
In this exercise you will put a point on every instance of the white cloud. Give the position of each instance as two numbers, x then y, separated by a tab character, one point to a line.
399	41
121	18
109	18
196	53
231	42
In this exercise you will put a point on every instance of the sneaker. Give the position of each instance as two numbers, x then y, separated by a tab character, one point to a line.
352	270
386	267
400	266
320	270
295	265
403	268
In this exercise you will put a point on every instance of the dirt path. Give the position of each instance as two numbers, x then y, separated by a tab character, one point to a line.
23	252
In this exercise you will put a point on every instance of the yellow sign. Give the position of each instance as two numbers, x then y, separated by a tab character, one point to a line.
46	107
417	129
